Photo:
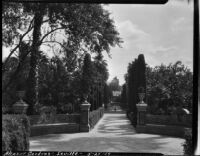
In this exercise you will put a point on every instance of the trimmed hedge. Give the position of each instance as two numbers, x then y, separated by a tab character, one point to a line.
15	132
95	116
187	145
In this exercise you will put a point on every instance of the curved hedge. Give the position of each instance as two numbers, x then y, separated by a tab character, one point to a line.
15	132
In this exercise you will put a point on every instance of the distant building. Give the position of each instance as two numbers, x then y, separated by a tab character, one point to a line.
116	93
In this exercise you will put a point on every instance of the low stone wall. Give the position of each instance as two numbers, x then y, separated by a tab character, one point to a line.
94	116
169	130
60	118
186	120
64	123
44	129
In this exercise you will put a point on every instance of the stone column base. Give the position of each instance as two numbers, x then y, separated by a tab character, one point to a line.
84	128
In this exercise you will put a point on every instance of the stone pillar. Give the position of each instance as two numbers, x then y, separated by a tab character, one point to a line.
141	113
20	107
84	117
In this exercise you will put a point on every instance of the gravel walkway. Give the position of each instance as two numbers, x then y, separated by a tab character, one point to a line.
113	133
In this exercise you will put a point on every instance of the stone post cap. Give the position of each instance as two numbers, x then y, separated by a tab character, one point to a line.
141	106
85	106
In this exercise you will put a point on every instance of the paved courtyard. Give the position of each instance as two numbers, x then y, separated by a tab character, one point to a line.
113	133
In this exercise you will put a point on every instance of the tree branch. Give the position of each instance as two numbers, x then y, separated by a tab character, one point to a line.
13	76
41	41
57	43
16	47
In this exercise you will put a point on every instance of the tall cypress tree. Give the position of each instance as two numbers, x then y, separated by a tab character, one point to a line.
129	84
86	76
136	78
141	74
134	88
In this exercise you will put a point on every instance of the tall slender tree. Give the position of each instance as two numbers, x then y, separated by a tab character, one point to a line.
86	77
136	78
32	83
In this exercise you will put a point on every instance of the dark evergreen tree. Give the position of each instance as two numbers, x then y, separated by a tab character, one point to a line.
141	74
135	79
134	91
123	96
86	76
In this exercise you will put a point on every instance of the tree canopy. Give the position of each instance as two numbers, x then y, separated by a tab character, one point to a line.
86	26
169	86
83	27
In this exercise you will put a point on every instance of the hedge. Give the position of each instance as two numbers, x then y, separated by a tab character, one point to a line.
15	132
187	145
95	116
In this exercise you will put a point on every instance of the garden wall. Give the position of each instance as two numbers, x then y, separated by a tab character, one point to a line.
169	130
186	120
60	118
64	123
94	116
44	129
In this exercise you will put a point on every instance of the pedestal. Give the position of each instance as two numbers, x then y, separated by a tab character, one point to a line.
84	117
141	113
20	107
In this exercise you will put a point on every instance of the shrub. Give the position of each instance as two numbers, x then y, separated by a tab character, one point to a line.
187	145
95	116
132	118
47	114
15	133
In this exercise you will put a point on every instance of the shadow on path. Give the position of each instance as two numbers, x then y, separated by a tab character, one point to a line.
116	124
113	133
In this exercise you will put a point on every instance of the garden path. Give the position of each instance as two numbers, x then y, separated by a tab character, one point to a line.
113	133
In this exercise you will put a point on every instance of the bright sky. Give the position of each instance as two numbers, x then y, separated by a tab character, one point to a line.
163	33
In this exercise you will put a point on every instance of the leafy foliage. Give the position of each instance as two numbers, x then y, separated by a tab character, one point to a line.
123	99
15	133
86	27
169	86
135	79
95	116
47	114
86	76
114	84
19	74
187	145
107	95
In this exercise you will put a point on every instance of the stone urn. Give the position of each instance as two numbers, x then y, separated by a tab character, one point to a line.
141	97
20	107
141	106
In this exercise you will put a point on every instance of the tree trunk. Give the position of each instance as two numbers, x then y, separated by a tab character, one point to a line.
32	82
